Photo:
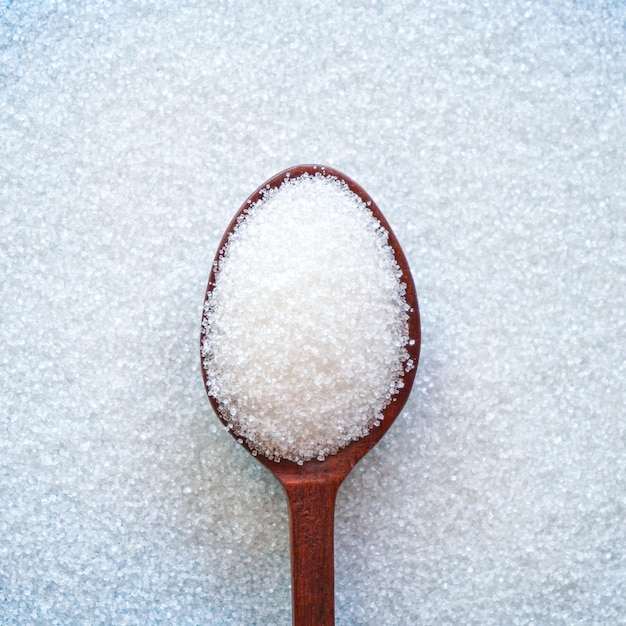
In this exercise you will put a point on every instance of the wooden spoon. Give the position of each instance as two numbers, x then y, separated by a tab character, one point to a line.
312	487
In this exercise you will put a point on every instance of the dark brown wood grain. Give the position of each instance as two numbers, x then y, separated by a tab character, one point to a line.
311	488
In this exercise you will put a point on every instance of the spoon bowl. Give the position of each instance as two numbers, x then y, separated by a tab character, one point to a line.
312	486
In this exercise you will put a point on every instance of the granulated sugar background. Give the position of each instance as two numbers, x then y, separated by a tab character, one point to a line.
493	139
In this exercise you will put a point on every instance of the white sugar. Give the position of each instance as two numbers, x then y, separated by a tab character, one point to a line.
306	327
491	133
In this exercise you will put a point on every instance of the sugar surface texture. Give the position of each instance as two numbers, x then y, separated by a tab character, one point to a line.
492	137
306	325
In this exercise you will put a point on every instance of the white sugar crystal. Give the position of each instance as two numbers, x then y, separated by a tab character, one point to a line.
493	135
306	326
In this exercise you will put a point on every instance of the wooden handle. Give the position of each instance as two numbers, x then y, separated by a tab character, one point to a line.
312	518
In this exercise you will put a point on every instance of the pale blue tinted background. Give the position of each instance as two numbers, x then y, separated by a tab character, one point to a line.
493	139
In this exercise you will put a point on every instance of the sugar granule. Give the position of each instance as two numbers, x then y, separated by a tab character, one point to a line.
306	325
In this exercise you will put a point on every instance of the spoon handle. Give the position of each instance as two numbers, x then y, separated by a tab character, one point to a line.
312	518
